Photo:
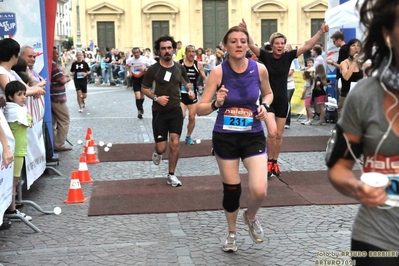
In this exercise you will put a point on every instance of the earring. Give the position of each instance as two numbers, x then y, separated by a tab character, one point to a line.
388	42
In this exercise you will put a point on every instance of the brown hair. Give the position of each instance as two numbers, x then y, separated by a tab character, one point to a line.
308	76
375	16
234	29
337	35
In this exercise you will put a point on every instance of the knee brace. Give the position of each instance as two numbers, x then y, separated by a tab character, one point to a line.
231	197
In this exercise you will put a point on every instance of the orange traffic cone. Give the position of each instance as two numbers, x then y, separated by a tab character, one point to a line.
75	193
83	172
86	146
90	135
91	154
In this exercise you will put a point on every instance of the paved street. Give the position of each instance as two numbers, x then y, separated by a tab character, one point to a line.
296	235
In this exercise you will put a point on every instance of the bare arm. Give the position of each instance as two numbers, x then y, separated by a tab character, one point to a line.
346	71
255	49
348	67
311	42
343	179
335	64
36	90
147	92
162	100
304	92
3	81
201	70
7	155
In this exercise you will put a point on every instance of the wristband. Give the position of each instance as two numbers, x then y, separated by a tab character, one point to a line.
320	33
213	105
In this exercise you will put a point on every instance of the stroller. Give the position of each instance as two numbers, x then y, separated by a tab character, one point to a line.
331	110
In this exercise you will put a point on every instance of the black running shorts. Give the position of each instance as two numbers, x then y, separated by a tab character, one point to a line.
165	122
238	145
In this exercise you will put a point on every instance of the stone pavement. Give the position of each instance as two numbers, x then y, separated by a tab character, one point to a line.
296	235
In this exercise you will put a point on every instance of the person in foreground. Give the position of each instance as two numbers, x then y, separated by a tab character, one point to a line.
238	131
369	126
278	63
167	116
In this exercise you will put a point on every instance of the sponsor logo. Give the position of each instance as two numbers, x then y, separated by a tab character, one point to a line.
382	164
8	24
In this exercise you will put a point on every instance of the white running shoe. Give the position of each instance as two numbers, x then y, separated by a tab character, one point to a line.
254	228
156	158
173	181
230	243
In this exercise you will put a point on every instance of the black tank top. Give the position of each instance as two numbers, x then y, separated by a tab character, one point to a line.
346	84
192	73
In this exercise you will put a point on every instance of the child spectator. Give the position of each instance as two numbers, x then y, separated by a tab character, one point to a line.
307	96
19	120
210	61
309	65
319	94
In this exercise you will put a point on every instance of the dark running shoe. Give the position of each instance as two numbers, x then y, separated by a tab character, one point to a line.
5	225
269	169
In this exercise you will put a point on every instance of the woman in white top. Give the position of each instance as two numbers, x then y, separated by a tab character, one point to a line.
8	57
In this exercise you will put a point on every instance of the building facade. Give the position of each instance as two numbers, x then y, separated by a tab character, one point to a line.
124	24
62	29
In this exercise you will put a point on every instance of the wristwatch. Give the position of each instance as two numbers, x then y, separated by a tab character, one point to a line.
267	107
155	99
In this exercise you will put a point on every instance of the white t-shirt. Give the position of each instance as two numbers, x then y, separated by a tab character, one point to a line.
212	64
134	62
290	79
11	77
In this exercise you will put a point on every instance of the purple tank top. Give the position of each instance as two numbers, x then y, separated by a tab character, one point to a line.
237	115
